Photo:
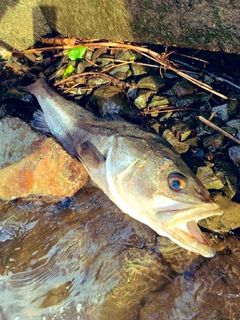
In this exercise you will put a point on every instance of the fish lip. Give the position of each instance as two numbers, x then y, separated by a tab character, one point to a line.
197	212
182	228
190	237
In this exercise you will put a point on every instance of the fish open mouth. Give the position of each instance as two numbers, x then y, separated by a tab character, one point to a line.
189	236
182	228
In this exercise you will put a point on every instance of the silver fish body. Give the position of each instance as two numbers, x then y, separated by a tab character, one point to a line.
138	170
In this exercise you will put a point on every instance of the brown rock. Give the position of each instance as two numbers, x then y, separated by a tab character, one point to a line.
31	164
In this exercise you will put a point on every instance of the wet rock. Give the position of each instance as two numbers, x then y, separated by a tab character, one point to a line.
111	100
234	154
31	164
81	66
151	82
106	62
208	178
208	290
208	80
181	147
97	81
194	142
229	175
139	269
170	75
126	55
178	258
229	220
225	111
121	75
121	69
181	130
158	101
235	123
142	98
139	70
156	126
213	142
186	101
155	105
182	88
16	94
202	128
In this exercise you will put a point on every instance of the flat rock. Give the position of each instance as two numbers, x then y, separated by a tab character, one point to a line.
33	165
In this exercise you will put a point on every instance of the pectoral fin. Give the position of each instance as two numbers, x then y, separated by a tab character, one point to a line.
90	155
39	122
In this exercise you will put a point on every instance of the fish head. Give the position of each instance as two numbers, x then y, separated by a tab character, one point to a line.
165	194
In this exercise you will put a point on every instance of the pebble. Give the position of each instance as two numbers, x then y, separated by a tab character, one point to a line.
181	147
234	154
208	178
151	82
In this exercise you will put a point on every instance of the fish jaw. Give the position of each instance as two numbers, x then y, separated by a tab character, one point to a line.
182	228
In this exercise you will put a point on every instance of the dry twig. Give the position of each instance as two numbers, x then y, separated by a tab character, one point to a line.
161	58
210	124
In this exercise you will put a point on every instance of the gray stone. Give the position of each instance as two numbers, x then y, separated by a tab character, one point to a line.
226	110
234	154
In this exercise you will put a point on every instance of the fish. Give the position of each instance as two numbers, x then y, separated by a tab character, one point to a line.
136	168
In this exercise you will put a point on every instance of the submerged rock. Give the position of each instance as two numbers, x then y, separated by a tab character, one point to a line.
31	164
207	290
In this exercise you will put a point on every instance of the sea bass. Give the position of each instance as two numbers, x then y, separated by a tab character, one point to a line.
137	169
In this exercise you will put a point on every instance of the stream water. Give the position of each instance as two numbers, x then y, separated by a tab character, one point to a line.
84	259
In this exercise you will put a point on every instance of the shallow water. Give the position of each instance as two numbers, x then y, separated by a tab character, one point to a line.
90	261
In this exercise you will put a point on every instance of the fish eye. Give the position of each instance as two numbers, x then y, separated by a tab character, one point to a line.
177	181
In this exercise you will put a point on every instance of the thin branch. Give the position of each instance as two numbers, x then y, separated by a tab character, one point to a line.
162	58
210	124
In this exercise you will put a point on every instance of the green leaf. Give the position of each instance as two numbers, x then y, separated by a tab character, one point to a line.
68	71
76	53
